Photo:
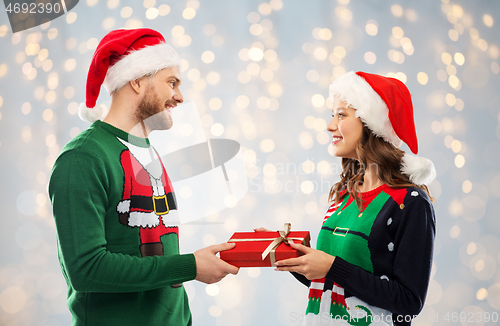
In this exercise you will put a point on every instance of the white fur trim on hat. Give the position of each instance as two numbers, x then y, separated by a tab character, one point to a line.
136	64
90	114
419	169
370	108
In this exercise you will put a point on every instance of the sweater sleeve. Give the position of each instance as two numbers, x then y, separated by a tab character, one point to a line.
405	293
79	188
301	278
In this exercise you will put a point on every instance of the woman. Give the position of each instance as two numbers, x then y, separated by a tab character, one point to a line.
374	256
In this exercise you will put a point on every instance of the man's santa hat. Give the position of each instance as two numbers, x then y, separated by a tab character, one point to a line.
121	56
385	107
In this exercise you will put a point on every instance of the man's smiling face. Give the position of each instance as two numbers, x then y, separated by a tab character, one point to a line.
162	94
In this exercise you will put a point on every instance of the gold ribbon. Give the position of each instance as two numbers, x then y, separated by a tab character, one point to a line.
271	249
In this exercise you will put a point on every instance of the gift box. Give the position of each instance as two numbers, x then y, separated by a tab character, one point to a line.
263	249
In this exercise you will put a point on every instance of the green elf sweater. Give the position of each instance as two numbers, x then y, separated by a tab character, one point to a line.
118	246
383	259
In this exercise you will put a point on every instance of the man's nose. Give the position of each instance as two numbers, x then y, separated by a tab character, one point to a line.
178	97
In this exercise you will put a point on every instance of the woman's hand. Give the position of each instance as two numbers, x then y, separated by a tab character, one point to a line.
261	229
313	265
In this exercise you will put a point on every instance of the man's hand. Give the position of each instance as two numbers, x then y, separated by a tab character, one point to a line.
313	265
210	268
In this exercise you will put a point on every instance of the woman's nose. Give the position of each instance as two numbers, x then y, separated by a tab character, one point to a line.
332	126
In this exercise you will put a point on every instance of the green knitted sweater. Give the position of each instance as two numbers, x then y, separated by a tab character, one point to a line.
118	250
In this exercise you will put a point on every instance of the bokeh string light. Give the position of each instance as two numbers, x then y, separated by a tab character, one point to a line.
260	75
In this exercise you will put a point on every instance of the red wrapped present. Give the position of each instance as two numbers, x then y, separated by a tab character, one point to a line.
263	249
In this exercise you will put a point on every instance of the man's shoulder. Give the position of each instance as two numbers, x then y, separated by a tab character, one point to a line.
94	149
92	140
91	146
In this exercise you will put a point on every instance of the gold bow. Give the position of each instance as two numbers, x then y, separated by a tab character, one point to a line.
276	242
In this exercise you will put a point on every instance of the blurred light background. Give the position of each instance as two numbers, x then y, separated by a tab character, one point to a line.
259	73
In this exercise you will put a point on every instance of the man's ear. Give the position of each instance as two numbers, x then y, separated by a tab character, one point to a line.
138	84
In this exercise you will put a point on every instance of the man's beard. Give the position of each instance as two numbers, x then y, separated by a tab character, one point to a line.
152	112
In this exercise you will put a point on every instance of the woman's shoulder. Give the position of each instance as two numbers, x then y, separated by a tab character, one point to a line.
414	206
407	194
417	195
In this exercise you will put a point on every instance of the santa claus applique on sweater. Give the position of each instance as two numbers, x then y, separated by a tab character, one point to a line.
148	200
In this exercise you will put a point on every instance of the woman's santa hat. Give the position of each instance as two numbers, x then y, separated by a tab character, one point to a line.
385	107
121	56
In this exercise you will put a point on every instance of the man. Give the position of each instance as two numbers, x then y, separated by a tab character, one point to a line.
113	203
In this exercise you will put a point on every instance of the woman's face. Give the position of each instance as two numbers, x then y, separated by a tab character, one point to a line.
346	130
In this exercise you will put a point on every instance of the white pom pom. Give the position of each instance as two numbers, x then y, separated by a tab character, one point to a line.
90	114
419	169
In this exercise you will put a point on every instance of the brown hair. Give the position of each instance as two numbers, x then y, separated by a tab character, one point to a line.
387	159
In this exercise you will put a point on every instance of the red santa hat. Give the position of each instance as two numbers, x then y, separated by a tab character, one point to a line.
385	107
121	56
